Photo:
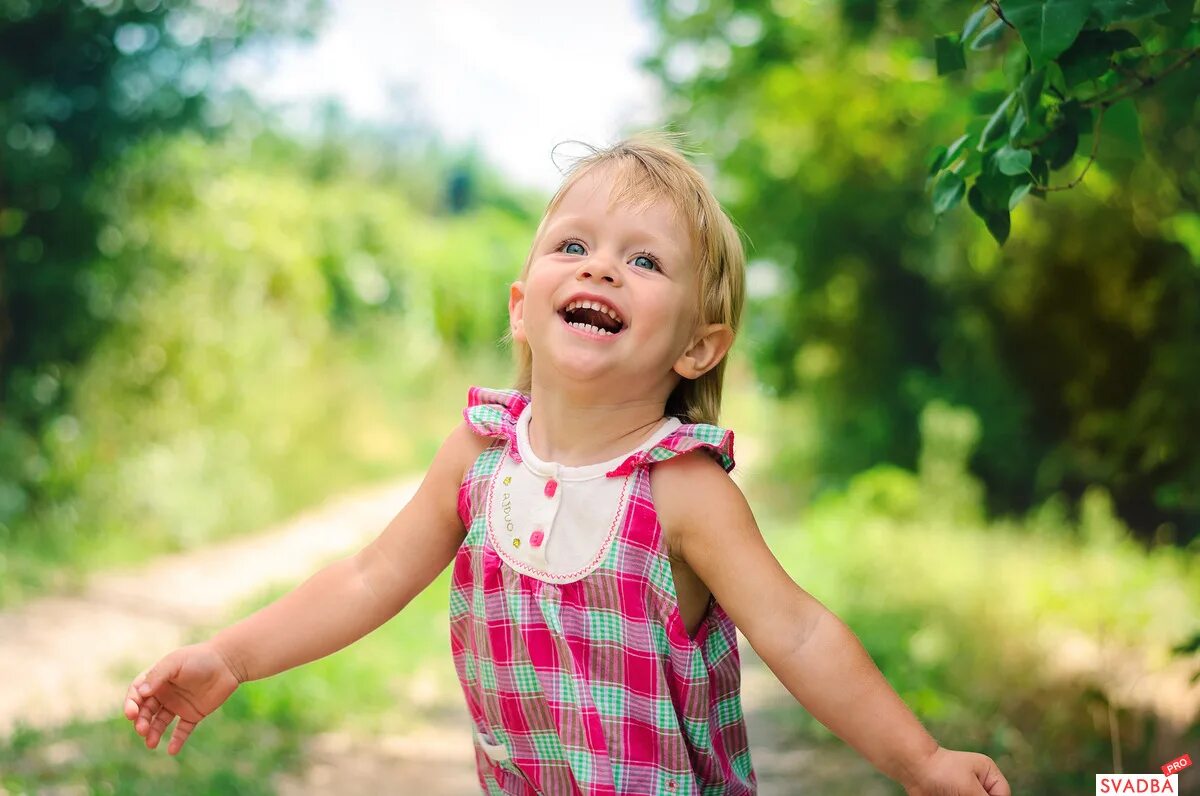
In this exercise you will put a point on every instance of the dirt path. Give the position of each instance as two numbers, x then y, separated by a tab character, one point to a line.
62	657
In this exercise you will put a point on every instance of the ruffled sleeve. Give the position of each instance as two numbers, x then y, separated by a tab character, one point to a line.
716	441
493	413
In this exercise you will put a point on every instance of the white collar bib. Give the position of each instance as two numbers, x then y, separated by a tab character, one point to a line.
556	522
581	472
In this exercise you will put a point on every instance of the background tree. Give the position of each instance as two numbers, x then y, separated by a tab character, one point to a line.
1072	344
80	83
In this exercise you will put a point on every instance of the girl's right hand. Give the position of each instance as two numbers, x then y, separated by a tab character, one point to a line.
190	683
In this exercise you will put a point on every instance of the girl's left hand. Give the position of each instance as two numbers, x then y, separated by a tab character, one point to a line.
950	773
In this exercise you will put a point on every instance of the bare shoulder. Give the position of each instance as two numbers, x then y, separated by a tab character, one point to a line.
688	489
716	535
423	537
439	488
462	447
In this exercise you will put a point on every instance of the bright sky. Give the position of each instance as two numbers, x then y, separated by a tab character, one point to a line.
516	77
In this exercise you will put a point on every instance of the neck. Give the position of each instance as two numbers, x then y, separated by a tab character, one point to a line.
576	428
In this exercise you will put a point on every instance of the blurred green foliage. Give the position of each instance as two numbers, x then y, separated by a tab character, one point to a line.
1074	346
80	84
274	306
1074	74
971	621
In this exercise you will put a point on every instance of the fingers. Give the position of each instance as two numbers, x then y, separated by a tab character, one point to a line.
149	708
132	705
133	700
996	784
182	730
991	781
151	718
160	673
158	727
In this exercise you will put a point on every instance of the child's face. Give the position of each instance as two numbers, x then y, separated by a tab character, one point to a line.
639	263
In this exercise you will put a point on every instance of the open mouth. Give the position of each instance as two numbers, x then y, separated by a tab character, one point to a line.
592	316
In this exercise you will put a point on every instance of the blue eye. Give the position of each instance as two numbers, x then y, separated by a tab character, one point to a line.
567	246
653	263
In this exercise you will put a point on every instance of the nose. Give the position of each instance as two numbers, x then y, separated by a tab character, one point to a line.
599	267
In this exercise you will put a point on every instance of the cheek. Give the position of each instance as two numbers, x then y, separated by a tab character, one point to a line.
675	316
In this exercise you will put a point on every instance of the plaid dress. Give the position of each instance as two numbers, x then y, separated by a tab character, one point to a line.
592	686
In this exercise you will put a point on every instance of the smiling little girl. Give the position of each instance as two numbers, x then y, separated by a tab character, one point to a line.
603	559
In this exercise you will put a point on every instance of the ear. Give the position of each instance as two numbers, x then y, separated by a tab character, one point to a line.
709	345
516	311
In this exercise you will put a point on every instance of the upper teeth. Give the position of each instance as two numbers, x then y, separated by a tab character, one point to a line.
592	305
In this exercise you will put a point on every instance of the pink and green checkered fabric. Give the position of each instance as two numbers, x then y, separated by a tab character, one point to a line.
594	686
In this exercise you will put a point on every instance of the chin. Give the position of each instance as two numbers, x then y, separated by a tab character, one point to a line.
585	369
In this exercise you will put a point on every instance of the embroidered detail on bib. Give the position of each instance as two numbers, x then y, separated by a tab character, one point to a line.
538	539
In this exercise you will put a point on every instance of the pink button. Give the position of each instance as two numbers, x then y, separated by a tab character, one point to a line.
536	537
551	488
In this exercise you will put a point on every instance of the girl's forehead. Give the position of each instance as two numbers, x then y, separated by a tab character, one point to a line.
607	192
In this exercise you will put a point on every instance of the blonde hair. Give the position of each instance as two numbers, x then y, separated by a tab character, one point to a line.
650	167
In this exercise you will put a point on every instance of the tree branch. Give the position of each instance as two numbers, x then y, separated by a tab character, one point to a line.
1142	82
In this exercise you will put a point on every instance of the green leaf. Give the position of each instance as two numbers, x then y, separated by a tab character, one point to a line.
974	21
1018	194
1120	39
996	221
1110	11
1013	161
1091	54
1046	26
1191	35
937	159
1174	23
995	126
1040	170
1085	117
1059	147
1031	91
1084	67
989	35
955	148
971	164
949	52
948	192
1018	123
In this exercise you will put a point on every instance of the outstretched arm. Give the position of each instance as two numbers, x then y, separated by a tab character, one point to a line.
350	598
812	652
339	604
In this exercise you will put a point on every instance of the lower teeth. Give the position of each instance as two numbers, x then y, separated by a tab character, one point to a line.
587	327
